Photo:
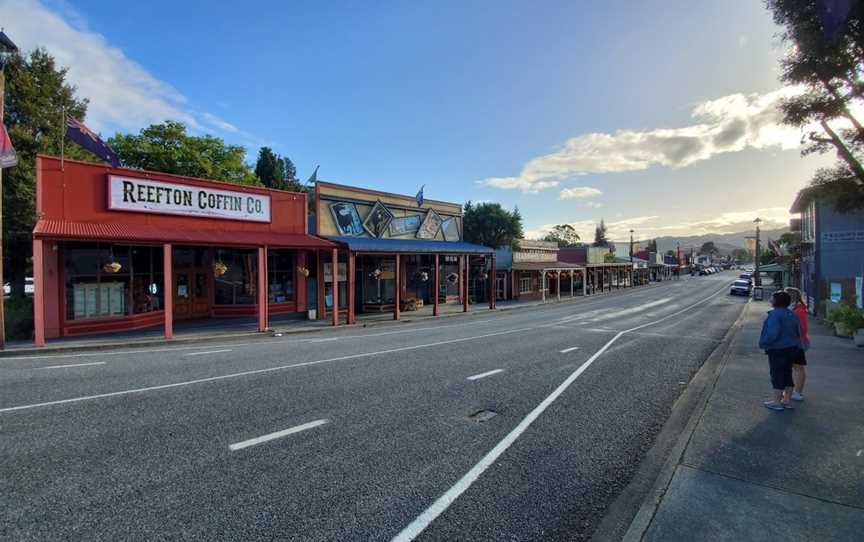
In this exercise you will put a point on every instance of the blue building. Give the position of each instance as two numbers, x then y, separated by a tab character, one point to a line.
832	251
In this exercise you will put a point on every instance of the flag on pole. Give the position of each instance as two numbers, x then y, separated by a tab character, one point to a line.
80	134
314	177
419	196
8	158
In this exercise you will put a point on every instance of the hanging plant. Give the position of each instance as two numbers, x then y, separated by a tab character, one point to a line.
112	267
423	276
376	274
303	271
452	278
484	276
219	268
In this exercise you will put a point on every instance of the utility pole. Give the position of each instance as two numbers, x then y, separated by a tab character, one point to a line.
631	248
758	256
7	48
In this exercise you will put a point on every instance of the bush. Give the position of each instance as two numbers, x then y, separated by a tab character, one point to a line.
19	318
848	315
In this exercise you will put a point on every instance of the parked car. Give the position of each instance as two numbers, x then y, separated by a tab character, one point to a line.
746	276
741	287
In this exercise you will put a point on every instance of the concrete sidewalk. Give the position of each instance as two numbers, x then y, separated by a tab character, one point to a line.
749	473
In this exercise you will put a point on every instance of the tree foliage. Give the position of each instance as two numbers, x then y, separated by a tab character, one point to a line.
563	234
36	94
825	58
600	239
741	255
491	225
708	248
168	148
274	171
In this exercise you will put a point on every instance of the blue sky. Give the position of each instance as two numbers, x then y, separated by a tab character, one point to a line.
657	116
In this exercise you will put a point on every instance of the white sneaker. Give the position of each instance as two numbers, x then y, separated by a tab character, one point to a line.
797	396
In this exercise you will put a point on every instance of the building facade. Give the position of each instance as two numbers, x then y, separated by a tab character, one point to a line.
119	249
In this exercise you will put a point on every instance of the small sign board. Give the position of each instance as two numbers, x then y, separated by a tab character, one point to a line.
836	292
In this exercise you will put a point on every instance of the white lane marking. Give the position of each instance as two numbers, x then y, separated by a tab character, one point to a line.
278	434
207	352
572	348
262	371
634	310
443	502
484	375
72	365
859	453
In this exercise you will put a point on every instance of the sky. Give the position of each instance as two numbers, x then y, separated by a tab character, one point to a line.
658	116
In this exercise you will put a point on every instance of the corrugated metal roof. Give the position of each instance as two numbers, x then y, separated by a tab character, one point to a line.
59	229
410	246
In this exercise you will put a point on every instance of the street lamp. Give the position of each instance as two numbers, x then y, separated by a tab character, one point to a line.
631	247
7	49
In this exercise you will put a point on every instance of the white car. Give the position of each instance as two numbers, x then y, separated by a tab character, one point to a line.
741	287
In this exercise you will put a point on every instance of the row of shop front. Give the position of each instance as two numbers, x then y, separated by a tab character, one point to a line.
116	250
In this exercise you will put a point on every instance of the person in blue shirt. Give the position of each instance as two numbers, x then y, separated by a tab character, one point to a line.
781	339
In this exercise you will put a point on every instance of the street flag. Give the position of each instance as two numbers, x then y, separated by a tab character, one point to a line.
8	158
80	134
314	177
419	196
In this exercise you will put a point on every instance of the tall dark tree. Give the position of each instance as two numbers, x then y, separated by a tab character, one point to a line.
168	148
36	94
600	239
825	58
708	248
651	246
491	225
268	168
563	234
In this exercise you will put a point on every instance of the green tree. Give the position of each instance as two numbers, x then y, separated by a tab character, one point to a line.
651	246
825	58
600	235
741	255
276	171
491	225
36	94
168	148
563	234
708	248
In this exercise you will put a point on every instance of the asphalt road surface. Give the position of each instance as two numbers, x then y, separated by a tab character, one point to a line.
519	425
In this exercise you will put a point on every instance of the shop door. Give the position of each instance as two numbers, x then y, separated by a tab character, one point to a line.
499	287
191	294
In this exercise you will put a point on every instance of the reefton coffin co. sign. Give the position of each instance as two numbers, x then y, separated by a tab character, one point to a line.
148	196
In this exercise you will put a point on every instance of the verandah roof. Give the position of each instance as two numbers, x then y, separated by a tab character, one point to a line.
410	246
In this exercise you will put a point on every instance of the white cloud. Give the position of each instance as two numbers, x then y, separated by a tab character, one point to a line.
742	41
728	124
123	94
649	227
579	192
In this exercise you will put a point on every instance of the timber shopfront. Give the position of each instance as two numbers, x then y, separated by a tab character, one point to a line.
396	255
119	249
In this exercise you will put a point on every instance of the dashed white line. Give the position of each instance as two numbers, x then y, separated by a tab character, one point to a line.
208	352
567	350
72	365
484	375
278	434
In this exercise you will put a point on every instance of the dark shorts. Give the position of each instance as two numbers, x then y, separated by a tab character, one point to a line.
799	358
780	363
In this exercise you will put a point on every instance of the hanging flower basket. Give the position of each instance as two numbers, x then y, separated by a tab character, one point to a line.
219	269
376	274
303	271
112	267
423	276
452	278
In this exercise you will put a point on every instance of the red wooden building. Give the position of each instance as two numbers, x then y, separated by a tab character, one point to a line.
120	249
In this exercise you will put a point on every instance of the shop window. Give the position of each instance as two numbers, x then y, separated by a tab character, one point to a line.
104	280
280	275
342	283
525	285
236	286
379	281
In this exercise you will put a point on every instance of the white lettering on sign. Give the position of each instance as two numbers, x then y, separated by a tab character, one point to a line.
147	196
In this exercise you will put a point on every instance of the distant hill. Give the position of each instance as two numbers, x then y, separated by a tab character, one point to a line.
725	242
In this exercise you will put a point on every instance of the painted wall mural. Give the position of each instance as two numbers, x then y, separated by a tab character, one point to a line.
346	218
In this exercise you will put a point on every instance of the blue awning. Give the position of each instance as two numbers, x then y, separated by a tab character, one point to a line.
410	246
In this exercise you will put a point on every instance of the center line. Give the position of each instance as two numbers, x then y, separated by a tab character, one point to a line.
484	375
572	348
277	434
72	365
208	352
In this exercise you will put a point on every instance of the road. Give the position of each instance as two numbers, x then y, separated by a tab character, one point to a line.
357	434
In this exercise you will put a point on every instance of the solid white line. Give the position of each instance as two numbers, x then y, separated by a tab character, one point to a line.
443	502
484	375
208	352
277	434
71	365
260	371
572	348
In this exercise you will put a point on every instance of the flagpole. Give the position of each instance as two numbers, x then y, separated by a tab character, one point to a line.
62	136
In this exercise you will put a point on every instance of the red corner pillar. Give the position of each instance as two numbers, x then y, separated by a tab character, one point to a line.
351	287
466	259
302	301
437	289
262	289
168	288
335	276
397	297
38	293
492	275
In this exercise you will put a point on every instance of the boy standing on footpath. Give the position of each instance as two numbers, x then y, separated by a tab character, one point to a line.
781	338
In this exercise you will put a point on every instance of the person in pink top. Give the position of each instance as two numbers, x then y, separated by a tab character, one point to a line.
799	374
